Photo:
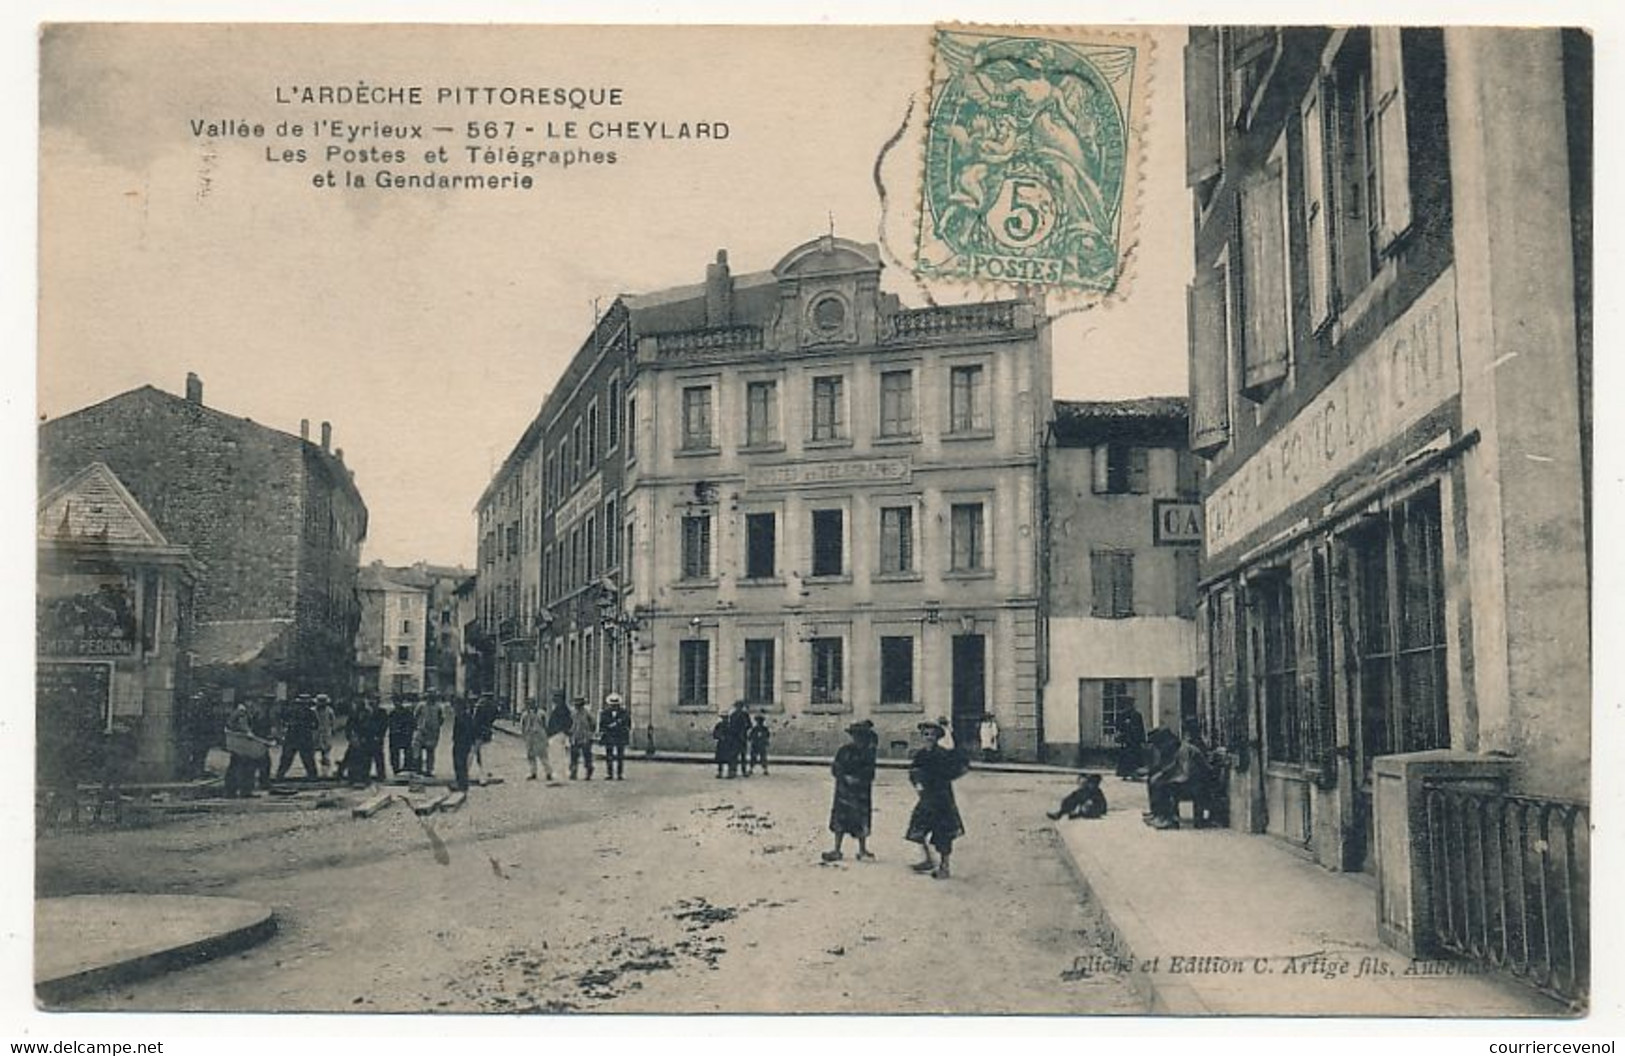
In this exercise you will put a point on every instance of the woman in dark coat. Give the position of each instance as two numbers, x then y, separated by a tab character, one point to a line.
935	821
854	771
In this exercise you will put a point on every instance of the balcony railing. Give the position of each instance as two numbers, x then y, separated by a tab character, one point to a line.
711	341
953	319
1511	884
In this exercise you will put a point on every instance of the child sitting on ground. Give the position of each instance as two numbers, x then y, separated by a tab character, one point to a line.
1085	801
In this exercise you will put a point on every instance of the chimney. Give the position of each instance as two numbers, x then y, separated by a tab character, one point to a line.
338	453
327	436
194	388
304	428
719	292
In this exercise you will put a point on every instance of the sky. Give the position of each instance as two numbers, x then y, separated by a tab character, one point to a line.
429	326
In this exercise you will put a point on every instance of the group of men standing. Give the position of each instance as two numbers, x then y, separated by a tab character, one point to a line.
576	729
741	744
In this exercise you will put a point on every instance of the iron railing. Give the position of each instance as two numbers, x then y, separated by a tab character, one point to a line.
953	319
721	339
1511	884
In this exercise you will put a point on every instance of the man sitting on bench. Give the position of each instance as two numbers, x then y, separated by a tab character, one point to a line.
1182	776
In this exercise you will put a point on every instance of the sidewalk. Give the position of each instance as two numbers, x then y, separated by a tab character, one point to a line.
88	942
1216	922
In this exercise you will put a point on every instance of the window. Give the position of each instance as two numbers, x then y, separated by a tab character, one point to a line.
406	626
761	545
694	673
589	545
897	403
1401	641
968	542
759	674
1277	679
513	539
697	434
612	536
896	670
828	556
613	406
896	539
697	546
575	453
967	404
1117	698
592	435
1122	469
403	654
1111	574
761	413
631	426
828	658
829	408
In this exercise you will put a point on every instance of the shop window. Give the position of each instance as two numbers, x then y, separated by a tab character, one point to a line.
828	556
1111	574
828	660
1276	678
896	670
759	674
761	545
694	673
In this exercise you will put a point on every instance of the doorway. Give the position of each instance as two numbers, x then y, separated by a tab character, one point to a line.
970	688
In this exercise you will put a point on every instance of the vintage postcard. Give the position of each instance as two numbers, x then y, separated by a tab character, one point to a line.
968	519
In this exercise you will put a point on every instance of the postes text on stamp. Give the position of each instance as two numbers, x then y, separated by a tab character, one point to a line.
1030	157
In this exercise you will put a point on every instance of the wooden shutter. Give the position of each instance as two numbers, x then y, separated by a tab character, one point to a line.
1393	142
1308	650
1139	471
1100	583
1102	469
1209	362
1316	220
1263	276
1204	125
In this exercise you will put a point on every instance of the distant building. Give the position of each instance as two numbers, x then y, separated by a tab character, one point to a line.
469	677
390	645
508	580
1391	386
1123	543
274	520
834	504
114	611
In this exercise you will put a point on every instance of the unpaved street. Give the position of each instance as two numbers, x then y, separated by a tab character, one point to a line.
668	892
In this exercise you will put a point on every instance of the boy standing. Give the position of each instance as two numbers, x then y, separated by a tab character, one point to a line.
757	740
935	821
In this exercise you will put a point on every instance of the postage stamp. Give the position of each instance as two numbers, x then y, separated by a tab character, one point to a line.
1031	157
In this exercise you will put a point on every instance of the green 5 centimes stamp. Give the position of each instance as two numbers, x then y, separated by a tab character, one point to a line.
1031	157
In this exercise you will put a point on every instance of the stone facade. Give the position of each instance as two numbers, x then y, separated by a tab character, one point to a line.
1390	345
274	519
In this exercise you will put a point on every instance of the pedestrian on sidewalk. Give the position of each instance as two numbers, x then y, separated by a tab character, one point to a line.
1085	801
485	721
427	735
1130	737
403	727
464	733
558	729
725	749
357	762
854	772
377	733
244	764
757	740
935	821
738	738
299	737
988	734
533	727
583	731
615	732
326	722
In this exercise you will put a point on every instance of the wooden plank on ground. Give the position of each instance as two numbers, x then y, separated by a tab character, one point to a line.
432	804
452	801
368	808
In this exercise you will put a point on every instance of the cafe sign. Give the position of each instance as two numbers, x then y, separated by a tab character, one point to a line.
1407	372
1176	523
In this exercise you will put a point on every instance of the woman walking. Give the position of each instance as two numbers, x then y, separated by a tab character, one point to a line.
935	821
854	771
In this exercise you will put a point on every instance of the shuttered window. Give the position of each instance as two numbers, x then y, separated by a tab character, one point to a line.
1315	202
1210	362
1111	574
1393	144
1203	123
1264	297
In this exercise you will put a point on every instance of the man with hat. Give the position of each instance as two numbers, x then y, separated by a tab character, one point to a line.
935	821
326	723
615	732
299	737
